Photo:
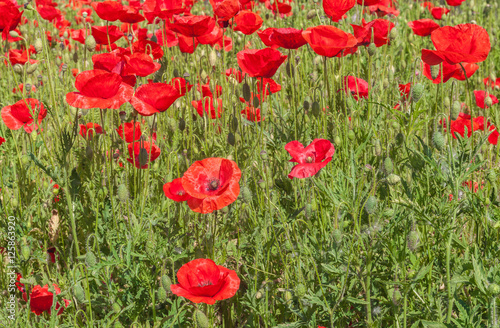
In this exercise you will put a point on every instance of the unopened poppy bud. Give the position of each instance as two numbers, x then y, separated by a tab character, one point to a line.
234	124
372	49
32	68
438	140
395	295
116	307
122	193
315	110
435	71
262	184
182	124
393	179
79	293
246	194
311	14
154	38
288	296
90	259
351	135
38	45
162	294
246	92
488	102
84	14
143	157
417	91
447	101
290	72
55	191
393	34
455	110
64	68
337	141
231	139
371	205
259	294
18	68
166	282
13	34
25	252
90	43
255	102
378	148
493	289
492	176
58	61
388	166
385	83
413	240
337	236
300	290
212	58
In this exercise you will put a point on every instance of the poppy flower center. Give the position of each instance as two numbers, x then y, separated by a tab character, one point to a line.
213	184
309	159
205	283
180	193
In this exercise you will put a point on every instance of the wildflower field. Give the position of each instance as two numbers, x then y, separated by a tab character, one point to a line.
249	163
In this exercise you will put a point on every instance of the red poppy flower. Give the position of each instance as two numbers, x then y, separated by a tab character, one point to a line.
140	64
356	87
192	26
87	130
181	85
438	12
450	71
247	22
467	43
10	17
288	38
78	35
463	121
225	9
131	15
163	9
454	2
175	191
51	252
265	37
18	283
108	10
206	105
203	281
336	9
270	87
384	7
377	31
260	63
423	27
48	10
170	37
21	56
251	113
2	141
114	62
187	44
20	115
310	159
277	7
148	47
99	89
101	33
481	95
141	153
367	3
329	41
492	83
41	300
236	74
404	90
212	183
126	131
154	98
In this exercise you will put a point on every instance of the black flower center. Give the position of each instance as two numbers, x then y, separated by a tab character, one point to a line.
205	283
213	184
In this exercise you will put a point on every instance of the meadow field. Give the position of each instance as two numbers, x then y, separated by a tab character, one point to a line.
249	163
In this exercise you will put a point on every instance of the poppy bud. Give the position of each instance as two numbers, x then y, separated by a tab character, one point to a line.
417	92
89	152
162	294
38	45
290	72
372	49
438	140
116	307
388	166
58	61
79	293
337	141
315	110
246	92
393	34
492	176
55	191
255	102
393	179
259	293
18	68
493	289
447	101
13	34
32	68
231	139
262	184
122	193
300	290
395	295
435	71
413	240
337	236
385	83
25	252
212	57
455	110
90	259
351	135
371	205
311	14
84	14
90	43
288	296
488	102
378	148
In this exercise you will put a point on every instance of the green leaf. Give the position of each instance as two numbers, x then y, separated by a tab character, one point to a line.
432	324
356	300
422	272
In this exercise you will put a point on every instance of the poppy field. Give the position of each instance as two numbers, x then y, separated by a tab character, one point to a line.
249	163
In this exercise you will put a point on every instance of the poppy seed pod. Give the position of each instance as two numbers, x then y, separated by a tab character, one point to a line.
455	110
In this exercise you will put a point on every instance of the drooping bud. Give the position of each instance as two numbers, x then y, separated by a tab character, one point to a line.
435	71
79	293
90	43
455	110
371	205
90	259
231	139
212	57
337	236
413	240
378	148
162	294
315	110
122	193
417	91
18	68
438	140
351	135
388	166
488	102
393	179
246	92
201	319
393	34
372	49
337	141
311	14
